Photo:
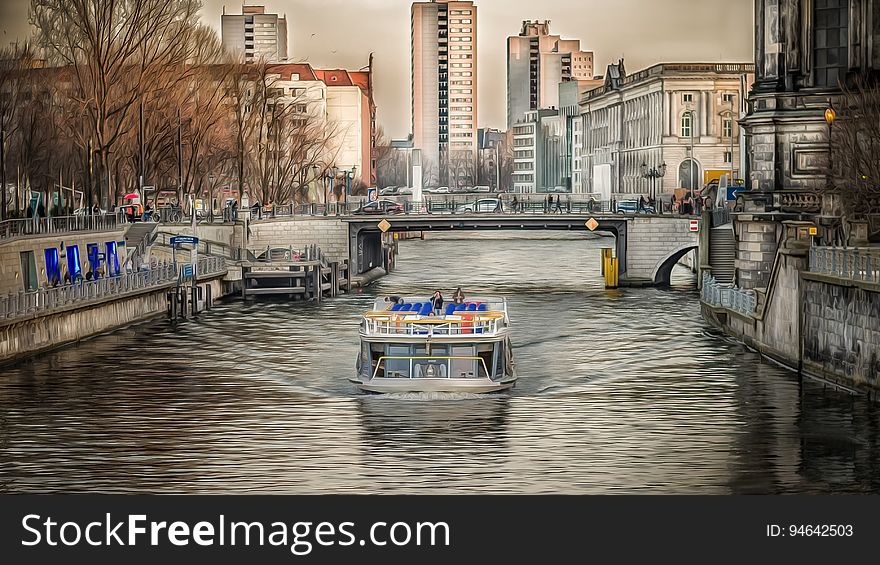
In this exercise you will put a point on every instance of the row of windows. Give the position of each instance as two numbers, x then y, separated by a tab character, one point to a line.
461	56
462	48
466	39
463	65
687	126
461	30
726	97
463	74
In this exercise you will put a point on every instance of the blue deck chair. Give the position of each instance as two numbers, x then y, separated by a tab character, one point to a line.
450	308
426	309
483	308
460	307
472	307
396	307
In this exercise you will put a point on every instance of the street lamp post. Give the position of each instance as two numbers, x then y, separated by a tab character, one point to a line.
348	175
653	173
334	172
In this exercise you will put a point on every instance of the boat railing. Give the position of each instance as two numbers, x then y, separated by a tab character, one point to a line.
484	323
381	364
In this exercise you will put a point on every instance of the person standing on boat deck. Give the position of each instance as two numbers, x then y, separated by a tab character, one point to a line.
437	302
458	297
392	300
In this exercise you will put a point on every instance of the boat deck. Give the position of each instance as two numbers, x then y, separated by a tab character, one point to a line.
486	318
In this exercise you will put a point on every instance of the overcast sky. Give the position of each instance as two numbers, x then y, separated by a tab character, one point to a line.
342	33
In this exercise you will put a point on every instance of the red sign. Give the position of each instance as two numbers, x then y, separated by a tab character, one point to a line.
695	225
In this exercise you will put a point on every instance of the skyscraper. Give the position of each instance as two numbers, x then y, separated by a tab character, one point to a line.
536	63
444	90
255	35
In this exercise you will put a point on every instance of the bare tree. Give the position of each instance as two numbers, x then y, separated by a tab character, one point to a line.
117	50
14	64
855	151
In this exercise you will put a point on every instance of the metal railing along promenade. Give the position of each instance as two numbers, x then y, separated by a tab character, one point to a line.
728	296
59	224
24	304
848	263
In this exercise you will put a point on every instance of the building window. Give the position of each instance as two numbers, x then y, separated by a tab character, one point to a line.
687	98
728	157
727	127
831	41
687	125
728	98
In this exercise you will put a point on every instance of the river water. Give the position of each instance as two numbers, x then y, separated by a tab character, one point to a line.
620	392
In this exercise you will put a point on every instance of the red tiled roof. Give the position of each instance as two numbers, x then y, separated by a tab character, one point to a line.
287	70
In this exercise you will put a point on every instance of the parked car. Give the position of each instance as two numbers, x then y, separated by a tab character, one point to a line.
383	206
404	190
484	205
482	188
388	191
632	207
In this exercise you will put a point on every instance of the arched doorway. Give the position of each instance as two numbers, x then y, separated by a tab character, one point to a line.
689	174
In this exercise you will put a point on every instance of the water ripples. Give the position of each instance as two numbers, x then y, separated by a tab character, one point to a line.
622	391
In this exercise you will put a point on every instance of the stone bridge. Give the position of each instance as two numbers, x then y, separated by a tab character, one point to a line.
647	246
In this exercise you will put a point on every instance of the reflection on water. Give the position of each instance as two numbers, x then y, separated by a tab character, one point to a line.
620	391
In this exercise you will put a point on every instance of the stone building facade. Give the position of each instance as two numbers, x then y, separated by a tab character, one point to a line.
804	51
681	114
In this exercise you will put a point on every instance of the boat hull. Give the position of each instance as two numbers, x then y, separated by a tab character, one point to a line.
473	386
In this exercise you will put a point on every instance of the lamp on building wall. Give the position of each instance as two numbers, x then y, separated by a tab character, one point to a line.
830	118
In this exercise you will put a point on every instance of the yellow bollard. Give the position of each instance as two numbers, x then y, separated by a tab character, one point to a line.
606	253
610	265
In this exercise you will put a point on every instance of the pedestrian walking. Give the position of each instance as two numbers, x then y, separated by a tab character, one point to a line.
559	203
515	204
549	206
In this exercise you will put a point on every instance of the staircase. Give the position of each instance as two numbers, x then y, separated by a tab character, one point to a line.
138	237
722	253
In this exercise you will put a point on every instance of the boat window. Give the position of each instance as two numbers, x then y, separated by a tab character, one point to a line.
397	361
463	365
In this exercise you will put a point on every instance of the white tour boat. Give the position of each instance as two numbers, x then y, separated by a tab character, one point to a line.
409	348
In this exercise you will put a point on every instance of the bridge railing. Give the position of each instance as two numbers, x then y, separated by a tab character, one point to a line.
728	296
848	263
455	205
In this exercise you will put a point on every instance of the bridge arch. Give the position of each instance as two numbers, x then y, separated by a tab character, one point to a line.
663	270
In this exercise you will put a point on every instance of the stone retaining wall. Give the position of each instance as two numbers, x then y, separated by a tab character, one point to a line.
330	234
842	332
30	336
